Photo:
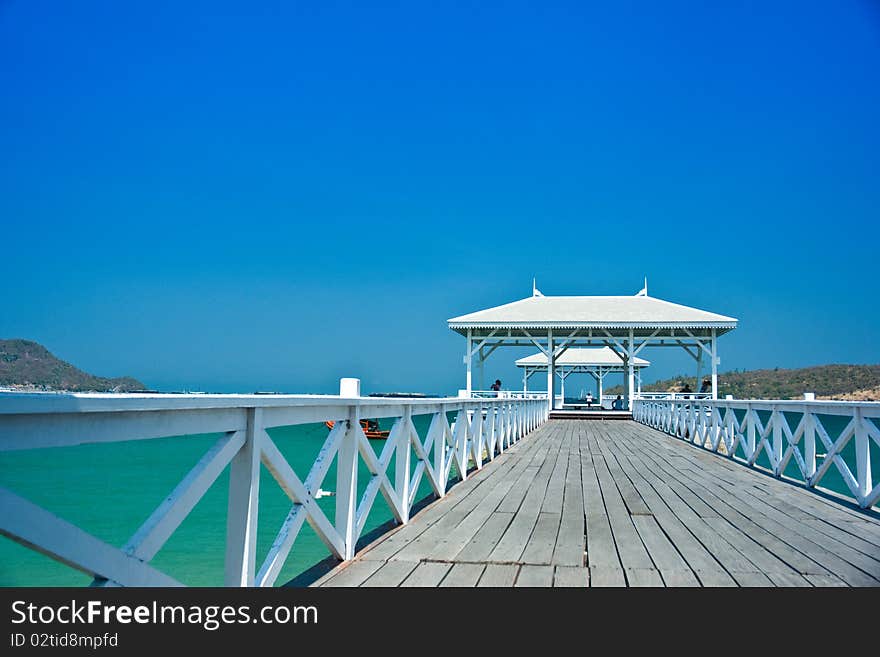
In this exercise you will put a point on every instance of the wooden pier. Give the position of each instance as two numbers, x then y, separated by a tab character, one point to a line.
593	503
544	502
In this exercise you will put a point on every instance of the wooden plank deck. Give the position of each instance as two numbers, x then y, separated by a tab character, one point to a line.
592	503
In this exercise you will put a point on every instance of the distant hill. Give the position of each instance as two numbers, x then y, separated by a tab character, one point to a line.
28	365
849	382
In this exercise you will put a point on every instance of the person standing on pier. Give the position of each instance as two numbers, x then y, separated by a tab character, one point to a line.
496	386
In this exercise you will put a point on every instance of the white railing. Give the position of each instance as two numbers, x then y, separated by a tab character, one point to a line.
782	430
481	430
672	395
608	400
505	394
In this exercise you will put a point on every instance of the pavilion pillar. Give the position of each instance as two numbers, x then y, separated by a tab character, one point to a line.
551	370
714	364
525	379
562	376
601	391
481	381
699	367
467	360
630	371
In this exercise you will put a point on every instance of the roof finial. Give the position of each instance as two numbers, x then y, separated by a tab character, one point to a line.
644	291
535	291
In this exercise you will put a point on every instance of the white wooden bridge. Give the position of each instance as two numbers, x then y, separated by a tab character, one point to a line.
521	500
591	503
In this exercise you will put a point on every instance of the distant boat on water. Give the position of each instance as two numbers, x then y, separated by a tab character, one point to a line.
370	427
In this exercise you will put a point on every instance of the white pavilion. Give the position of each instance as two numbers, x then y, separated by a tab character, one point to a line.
624	324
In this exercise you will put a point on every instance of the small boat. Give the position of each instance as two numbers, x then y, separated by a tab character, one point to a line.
370	427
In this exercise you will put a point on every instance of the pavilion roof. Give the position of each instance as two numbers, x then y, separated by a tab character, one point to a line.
592	312
581	357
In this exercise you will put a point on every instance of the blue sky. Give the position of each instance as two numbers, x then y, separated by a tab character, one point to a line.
271	196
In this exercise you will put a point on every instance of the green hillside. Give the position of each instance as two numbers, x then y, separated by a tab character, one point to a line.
28	365
827	381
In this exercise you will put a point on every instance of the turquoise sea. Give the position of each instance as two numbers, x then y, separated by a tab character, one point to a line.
109	489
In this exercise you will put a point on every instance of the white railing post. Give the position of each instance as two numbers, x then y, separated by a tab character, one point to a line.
863	457
440	432
517	414
477	438
346	483
730	422
402	464
513	422
495	435
700	424
514	428
485	438
243	505
775	419
466	439
499	418
809	445
499	427
750	432
459	442
491	429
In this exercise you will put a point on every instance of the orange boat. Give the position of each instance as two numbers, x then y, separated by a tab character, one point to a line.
370	427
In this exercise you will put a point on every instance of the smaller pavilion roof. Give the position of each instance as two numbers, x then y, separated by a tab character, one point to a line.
581	357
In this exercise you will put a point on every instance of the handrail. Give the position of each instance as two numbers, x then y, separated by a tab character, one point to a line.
673	395
507	394
483	428
785	431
